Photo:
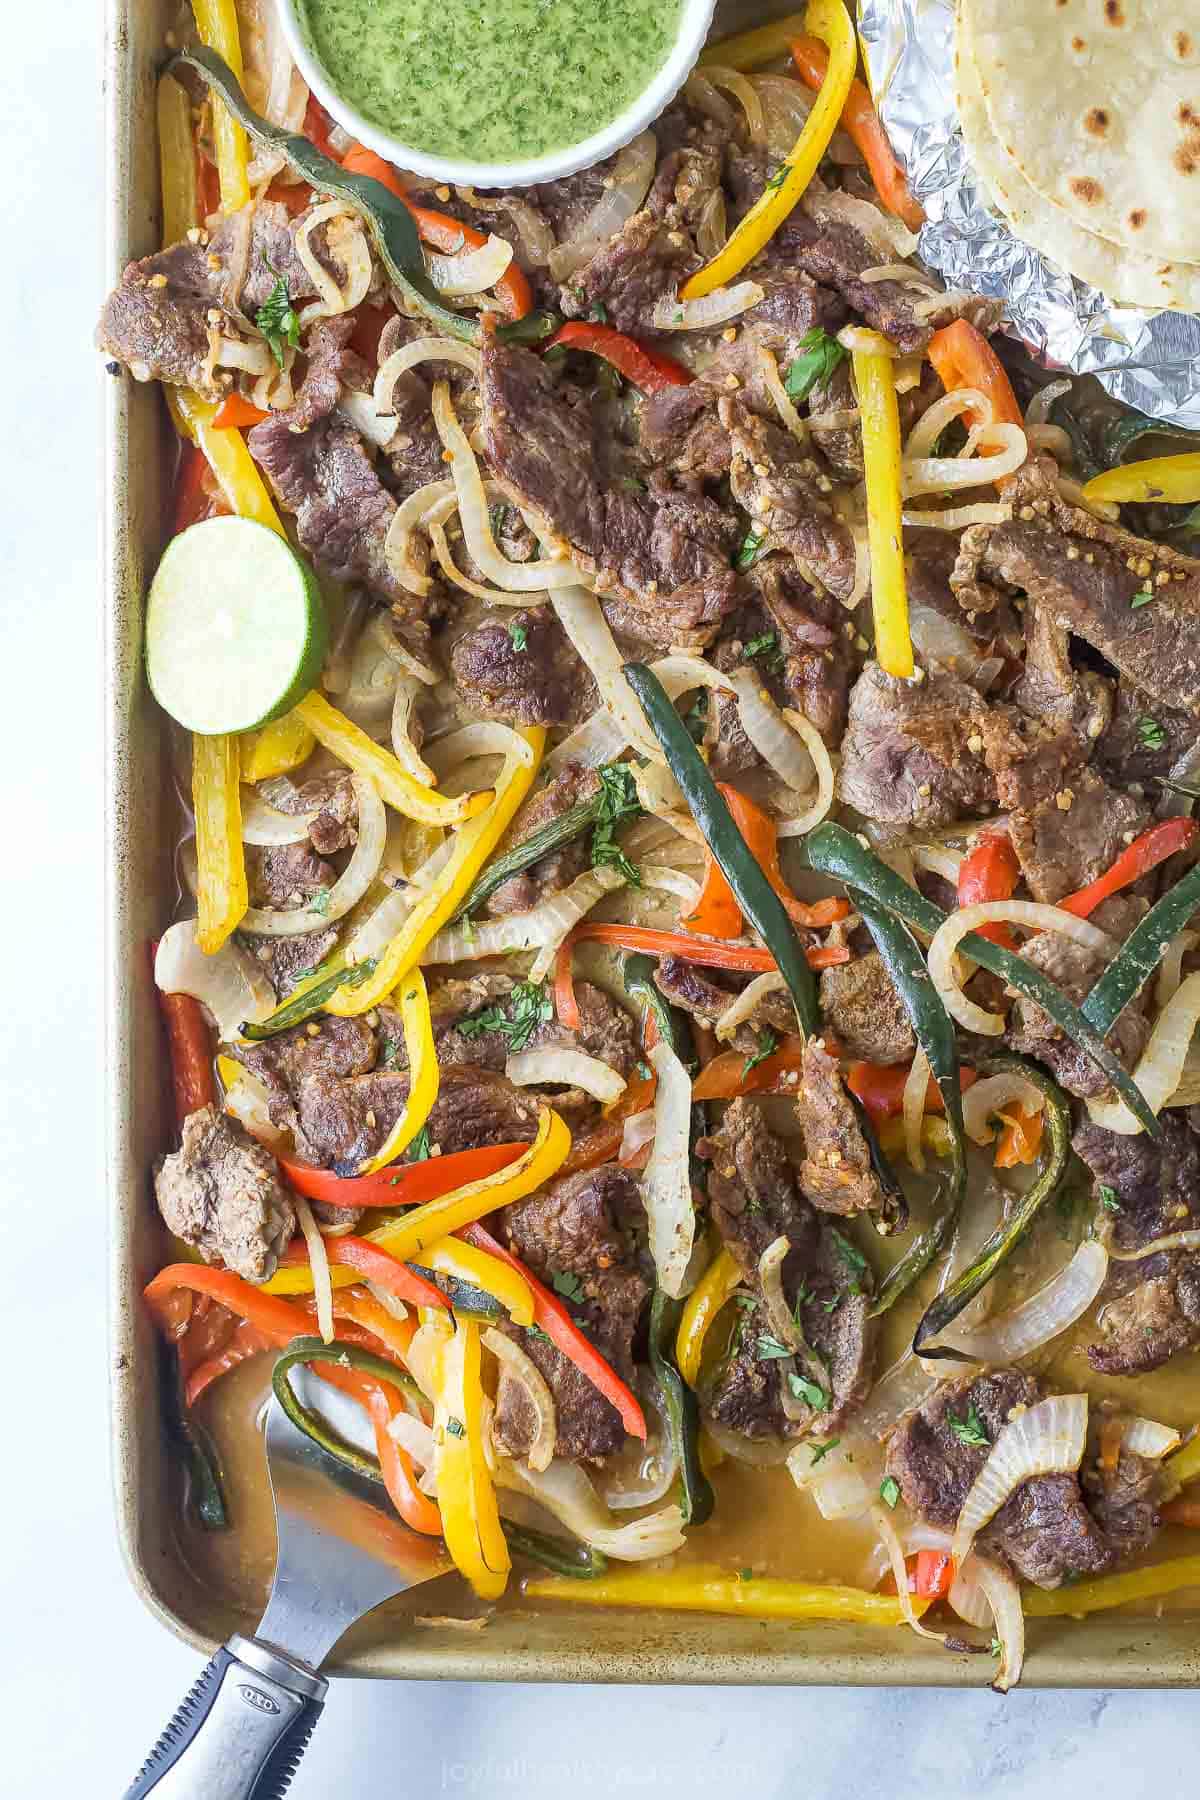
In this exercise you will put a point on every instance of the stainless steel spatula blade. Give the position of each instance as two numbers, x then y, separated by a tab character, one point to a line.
341	1552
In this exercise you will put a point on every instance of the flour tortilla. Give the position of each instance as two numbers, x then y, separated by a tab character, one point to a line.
1124	275
1097	104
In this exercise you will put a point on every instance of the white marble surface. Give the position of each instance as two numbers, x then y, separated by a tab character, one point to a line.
87	1678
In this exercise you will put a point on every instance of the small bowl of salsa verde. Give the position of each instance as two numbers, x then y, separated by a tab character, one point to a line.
495	92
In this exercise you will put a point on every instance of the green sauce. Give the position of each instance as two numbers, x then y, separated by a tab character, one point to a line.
491	80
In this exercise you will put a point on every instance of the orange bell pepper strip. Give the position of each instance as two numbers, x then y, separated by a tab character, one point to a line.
1182	1512
1020	1139
637	1098
318	124
861	121
590	1149
990	872
727	1075
247	1341
373	1264
408	1185
447	234
236	412
707	953
717	913
278	1320
552	1317
1145	853
566	1006
880	1087
649	370
399	1477
194	499
963	357
930	1574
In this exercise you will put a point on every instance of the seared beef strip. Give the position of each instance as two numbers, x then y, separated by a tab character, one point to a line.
1068	840
222	1191
648	260
696	991
573	785
860	1005
333	827
786	494
289	960
543	682
1149	1189
1145	738
577	1228
285	876
1050	1527
1075	971
913	752
836	1174
812	637
754	1200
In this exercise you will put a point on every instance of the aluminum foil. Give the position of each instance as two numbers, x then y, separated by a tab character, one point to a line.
1147	360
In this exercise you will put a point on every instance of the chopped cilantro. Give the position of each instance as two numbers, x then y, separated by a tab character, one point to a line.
769	1349
767	1045
1108	1198
764	649
969	1430
569	1286
320	901
994	1647
597	312
747	1302
889	1492
832	1305
454	1427
643	1070
745	1574
817	1450
519	636
1151	735
419	1149
849	1253
633	484
529	1006
535	1331
277	319
618	803
777	179
821	356
808	1391
1143	597
696	717
750	549
498	515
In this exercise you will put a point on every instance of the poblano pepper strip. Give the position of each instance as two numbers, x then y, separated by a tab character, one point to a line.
302	1006
389	221
205	1490
1007	1235
575	1559
696	1498
752	891
833	851
463	1297
552	836
1141	953
935	1033
314	1350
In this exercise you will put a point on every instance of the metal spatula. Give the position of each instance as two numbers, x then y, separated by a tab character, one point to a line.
241	1731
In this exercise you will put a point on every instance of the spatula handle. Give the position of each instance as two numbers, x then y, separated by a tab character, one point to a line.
240	1732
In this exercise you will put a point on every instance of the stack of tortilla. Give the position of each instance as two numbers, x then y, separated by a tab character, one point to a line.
1083	118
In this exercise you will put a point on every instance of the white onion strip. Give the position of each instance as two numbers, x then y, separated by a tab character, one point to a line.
408	515
1030	913
351	250
667	1184
1048	1438
519	1366
1174	1240
231	984
404	746
554	1063
1038	410
470	271
1004	1599
580	616
566	1492
318	1259
733	82
350	885
422	349
779	394
957	518
542	928
1146	1437
1064	1299
1170	969
832	1478
746	1003
624	190
916	1087
723	304
995	1091
266	826
452	572
930	426
1161	1065
891	1541
939	474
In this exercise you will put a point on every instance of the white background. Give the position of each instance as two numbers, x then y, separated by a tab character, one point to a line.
87	1678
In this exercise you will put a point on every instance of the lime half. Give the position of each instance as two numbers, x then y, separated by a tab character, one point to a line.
235	627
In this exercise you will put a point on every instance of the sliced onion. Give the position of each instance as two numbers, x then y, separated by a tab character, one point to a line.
1170	969
625	188
542	928
782	399
995	1091
422	349
905	1385
667	1185
452	572
517	1364
781	749
1174	1240
525	578
374	670
860	337
415	1438
745	93
470	271
230	983
934	420
1003	1597
318	1260
1029	913
683	672
1038	410
263	825
746	1003
403	744
1052	438
957	518
908	373
889	235
1073	494
724	303
566	1492
1064	1299
757	1453
659	794
391	1303
904	274
572	1068
637	1133
786	106
533	233
255	359
249	1104
673	881
770	1281
1161	1066
483	737
938	861
966	1594
407	516
598	740
1048	1438
939	474
350	885
1146	1437
335	676
849	508
833	1477
352	251
883	1524
712	226
916	1087
580	616
378	428
840	419
642	1474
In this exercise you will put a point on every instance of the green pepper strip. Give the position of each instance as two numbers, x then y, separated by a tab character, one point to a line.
935	1033
753	892
696	1498
315	1349
198	1454
550	837
302	1006
833	851
1006	1236
575	1559
1141	953
388	219
462	1295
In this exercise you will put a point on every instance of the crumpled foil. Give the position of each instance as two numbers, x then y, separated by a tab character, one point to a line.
1147	360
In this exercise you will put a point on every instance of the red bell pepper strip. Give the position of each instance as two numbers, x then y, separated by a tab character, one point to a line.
296	196
649	370
990	872
208	185
552	1317
1145	853
1182	1512
235	412
931	1573
862	122
317	127
405	1186
565	1004
727	1075
592	1148
247	1341
707	953
880	1087
717	913
373	1264
447	234
277	1319
381	1403
963	357
190	1046
193	499
637	1098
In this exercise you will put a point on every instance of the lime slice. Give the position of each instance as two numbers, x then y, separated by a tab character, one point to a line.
235	627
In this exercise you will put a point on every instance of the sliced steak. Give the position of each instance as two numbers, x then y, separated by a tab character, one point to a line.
755	1200
578	1231
1067	841
627	277
787	497
840	445
860	1005
290	960
836	1174
571	787
1051	1527
222	1191
541	682
817	666
285	876
1075	971
1150	1189
333	796
695	991
1145	738
912	754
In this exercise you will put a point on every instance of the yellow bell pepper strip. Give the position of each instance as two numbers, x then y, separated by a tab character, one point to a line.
702	1306
936	1136
706	1589
353	1259
221	892
277	748
1184	1466
452	1257
466	1494
474	844
217	23
410	1237
1175	479
230	461
875	379
424	1076
176	161
1112	1590
350	743
829	21
750	49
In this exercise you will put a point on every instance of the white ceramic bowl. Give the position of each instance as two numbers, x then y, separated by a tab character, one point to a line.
694	21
